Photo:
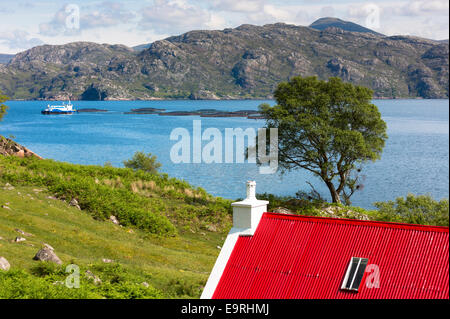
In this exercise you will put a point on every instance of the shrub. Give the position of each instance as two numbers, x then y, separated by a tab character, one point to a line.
422	209
145	162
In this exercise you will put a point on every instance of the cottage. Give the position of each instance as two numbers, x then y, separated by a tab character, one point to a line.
279	256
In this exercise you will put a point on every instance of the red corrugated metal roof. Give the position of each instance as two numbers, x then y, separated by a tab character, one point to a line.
298	257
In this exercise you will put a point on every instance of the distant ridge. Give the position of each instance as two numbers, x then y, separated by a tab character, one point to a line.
324	23
240	63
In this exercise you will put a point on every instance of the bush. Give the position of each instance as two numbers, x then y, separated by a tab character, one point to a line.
49	283
145	162
422	209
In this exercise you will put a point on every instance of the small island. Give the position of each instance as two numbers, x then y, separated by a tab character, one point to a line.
250	114
91	110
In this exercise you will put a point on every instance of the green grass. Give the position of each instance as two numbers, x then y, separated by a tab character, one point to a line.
175	267
168	235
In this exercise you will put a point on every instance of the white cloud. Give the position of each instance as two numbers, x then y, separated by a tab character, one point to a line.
241	6
176	16
18	40
327	11
423	7
105	14
108	14
58	24
423	18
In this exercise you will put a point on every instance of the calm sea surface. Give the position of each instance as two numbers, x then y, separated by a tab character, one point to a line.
415	159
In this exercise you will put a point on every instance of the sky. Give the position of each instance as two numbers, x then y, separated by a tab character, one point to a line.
28	23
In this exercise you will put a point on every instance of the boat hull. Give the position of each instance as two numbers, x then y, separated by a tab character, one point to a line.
58	113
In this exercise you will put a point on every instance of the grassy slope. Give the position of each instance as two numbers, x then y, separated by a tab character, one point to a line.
177	266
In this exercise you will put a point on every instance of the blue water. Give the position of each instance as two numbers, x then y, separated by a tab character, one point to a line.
415	159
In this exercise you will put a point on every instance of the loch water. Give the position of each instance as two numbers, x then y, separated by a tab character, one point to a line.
415	158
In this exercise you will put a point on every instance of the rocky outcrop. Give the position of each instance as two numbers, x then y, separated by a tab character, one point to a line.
246	62
47	254
10	148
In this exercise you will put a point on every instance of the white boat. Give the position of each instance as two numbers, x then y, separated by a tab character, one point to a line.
59	109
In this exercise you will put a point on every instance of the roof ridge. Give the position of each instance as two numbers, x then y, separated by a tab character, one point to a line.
349	221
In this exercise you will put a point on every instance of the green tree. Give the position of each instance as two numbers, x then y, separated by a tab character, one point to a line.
3	108
144	162
422	209
329	128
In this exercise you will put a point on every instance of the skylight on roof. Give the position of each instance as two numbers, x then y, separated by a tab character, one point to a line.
354	274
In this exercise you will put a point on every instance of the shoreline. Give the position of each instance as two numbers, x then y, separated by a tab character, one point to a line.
170	99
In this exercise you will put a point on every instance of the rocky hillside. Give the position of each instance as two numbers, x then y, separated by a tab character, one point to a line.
10	148
245	62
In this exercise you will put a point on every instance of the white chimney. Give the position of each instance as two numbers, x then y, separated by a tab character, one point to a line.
248	213
246	217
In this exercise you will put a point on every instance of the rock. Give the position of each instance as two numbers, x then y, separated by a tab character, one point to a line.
74	203
282	210
94	278
211	228
23	233
10	148
59	283
19	239
52	197
114	220
145	284
48	246
8	187
4	264
46	254
107	261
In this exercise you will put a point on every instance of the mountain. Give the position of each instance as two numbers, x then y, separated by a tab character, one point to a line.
5	58
324	23
245	62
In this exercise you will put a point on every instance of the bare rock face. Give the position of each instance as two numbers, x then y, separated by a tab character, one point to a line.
10	148
4	264
46	254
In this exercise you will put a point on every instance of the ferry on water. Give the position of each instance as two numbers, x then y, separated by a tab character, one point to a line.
59	109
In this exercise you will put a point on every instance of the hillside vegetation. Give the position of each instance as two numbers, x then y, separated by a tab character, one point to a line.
164	247
134	234
244	62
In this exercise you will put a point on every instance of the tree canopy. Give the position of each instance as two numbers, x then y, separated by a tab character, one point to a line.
329	128
3	98
144	162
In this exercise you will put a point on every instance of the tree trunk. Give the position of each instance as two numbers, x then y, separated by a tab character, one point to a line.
334	194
